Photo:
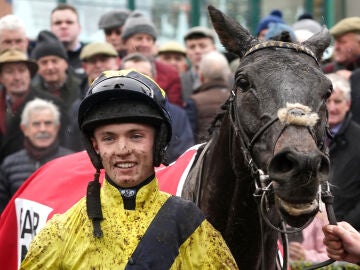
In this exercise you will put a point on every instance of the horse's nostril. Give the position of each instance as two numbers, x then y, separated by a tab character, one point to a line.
281	163
288	163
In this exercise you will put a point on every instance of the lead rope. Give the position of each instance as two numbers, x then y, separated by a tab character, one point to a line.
328	200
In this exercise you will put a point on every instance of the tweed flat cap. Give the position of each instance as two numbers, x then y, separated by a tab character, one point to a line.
113	18
95	48
173	47
200	31
351	24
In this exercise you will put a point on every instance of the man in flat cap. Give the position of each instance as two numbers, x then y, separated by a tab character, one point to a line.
347	58
198	41
346	47
16	72
96	57
173	53
112	23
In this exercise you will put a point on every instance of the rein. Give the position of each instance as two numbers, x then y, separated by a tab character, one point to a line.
262	187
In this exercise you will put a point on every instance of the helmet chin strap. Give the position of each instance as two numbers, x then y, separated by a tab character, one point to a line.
93	204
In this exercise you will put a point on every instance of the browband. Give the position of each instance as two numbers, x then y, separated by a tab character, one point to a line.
282	44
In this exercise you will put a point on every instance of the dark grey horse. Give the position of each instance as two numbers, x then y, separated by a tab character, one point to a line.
266	161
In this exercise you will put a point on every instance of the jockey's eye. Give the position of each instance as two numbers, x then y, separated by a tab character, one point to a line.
242	83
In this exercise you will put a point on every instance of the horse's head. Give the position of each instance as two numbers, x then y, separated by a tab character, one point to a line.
279	112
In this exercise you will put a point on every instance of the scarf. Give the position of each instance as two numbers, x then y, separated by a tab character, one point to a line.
39	153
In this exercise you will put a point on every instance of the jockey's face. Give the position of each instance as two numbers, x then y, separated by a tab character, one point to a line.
126	151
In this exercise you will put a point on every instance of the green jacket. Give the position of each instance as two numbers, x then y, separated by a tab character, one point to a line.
67	241
69	91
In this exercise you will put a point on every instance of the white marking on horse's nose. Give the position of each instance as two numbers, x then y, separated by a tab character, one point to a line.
297	114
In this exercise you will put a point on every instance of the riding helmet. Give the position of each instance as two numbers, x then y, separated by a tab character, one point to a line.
125	96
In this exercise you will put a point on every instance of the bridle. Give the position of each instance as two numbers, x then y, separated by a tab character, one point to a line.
262	181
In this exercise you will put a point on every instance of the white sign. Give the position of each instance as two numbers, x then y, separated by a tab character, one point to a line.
31	217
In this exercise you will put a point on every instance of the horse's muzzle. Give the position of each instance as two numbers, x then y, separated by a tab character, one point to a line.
296	175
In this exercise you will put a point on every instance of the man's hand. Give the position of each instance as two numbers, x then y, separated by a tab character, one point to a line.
342	242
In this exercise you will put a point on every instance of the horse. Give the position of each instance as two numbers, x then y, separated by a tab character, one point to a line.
267	158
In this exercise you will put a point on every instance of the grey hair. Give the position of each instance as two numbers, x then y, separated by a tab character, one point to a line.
39	104
214	66
11	22
340	84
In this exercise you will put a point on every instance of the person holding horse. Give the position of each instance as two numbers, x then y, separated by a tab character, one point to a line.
342	242
127	223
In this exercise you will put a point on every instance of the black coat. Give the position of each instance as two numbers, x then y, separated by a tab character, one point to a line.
17	167
345	172
355	95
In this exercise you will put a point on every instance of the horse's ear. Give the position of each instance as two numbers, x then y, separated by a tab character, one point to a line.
232	35
319	42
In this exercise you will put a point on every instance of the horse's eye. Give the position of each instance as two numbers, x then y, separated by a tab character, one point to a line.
328	92
242	84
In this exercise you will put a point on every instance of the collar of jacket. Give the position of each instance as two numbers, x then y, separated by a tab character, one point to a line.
131	196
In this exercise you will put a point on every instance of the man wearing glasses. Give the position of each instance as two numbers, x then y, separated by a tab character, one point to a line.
112	23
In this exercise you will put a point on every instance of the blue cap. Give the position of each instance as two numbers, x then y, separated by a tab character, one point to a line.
275	16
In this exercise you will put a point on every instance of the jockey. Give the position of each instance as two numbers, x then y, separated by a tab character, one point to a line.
128	223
